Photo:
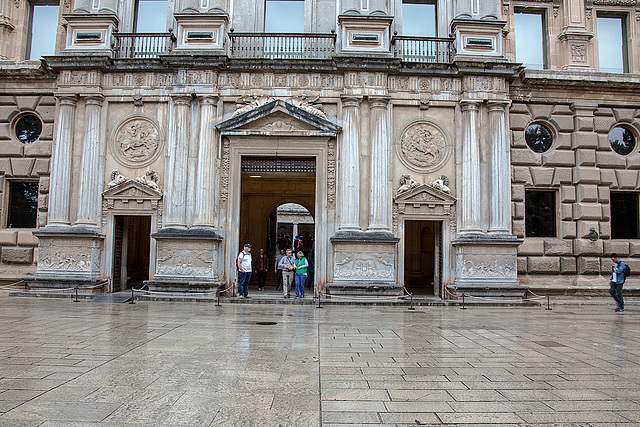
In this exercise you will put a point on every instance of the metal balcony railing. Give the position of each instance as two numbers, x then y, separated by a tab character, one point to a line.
282	46
423	49
142	45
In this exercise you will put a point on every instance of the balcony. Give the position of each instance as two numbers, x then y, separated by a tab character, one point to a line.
282	46
423	49
142	45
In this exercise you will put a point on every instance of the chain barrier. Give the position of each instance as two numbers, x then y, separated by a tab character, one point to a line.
465	295
362	298
7	288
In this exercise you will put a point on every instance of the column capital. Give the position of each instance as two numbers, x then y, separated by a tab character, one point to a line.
379	101
67	98
469	104
498	105
209	99
351	100
181	99
93	99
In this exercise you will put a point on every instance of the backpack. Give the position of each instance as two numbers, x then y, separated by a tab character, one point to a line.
627	271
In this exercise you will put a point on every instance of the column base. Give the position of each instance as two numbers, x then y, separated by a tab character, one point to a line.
187	260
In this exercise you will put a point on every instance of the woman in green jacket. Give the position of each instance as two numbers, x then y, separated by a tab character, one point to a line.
301	274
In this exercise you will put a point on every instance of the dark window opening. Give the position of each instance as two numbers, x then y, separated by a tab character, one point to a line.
23	205
624	216
540	213
28	128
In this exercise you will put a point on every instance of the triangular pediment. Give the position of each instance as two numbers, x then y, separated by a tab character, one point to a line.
132	189
424	194
278	117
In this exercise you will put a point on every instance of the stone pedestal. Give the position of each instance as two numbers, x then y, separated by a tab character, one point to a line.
187	260
486	262
67	258
364	263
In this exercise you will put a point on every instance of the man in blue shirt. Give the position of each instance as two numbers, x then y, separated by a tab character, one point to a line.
617	280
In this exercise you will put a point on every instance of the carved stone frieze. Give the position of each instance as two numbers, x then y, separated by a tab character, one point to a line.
423	147
224	173
65	260
357	262
578	52
251	102
331	173
185	259
136	142
481	266
615	2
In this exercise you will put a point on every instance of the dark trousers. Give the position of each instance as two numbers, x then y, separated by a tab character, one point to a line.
279	285
616	292
262	277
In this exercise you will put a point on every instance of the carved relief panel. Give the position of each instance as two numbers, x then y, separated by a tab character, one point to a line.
423	147
136	142
364	262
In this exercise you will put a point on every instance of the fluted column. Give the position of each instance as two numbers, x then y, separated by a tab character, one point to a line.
500	201
379	201
89	198
60	181
471	196
349	186
176	176
205	214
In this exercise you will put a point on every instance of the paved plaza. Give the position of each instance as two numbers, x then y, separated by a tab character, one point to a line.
195	364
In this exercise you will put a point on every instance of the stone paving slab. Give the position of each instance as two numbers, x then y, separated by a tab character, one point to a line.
195	364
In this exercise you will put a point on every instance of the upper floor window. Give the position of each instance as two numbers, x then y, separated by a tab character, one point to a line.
43	26
22	211
151	16
530	40
284	16
419	18
611	44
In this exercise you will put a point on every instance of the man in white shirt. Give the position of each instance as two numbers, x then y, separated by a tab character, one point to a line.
243	262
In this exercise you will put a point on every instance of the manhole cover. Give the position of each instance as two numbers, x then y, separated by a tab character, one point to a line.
266	323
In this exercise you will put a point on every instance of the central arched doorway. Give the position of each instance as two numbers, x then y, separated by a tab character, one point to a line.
278	196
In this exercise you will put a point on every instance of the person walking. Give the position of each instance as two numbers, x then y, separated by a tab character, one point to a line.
287	264
277	268
618	270
301	274
262	263
243	262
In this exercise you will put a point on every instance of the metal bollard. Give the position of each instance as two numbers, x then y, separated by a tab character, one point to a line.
463	307
218	296
411	298
548	303
319	296
133	299
76	300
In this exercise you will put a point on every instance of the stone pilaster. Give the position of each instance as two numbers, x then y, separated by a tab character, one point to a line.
574	38
60	184
349	184
500	196
471	179
90	191
176	176
205	214
380	199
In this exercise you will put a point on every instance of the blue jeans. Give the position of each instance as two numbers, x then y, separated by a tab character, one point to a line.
243	283
300	279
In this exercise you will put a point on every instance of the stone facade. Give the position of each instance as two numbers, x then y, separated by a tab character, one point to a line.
396	137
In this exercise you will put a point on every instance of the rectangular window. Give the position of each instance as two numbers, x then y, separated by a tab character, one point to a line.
530	41
151	16
419	18
540	213
284	16
611	45
23	204
624	216
43	27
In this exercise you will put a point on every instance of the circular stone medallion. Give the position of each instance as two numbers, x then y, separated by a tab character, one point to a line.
136	142
423	147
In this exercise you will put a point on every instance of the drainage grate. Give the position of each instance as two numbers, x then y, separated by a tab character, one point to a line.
266	323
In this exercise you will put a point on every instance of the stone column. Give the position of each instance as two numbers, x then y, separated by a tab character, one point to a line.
500	198
380	199
471	195
205	215
176	175
349	203
60	185
89	198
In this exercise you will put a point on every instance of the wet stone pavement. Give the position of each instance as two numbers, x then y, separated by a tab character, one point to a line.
195	364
